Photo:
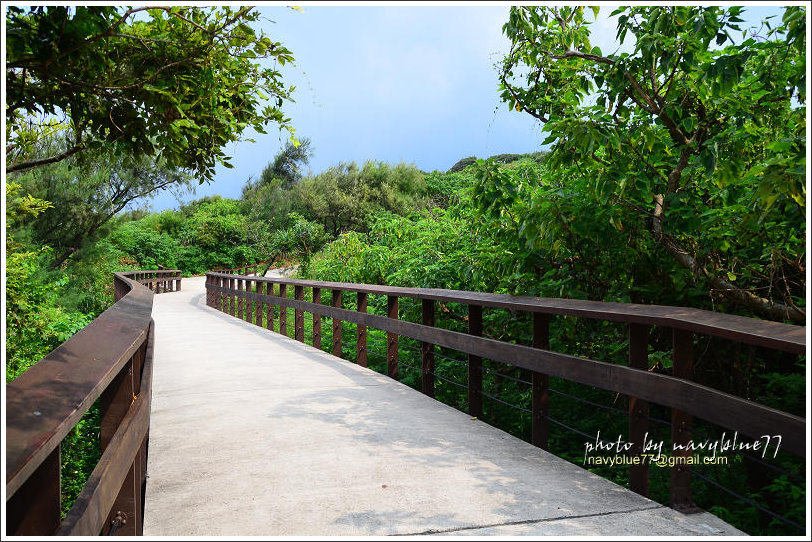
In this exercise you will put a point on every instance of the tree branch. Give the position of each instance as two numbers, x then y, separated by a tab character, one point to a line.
742	297
44	161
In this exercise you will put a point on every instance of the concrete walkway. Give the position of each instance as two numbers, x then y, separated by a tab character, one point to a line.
255	434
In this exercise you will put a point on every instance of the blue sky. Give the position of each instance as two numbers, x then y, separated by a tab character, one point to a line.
394	83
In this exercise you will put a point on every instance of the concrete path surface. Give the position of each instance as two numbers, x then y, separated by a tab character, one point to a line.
253	433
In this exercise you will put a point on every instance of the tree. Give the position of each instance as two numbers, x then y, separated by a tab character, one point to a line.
343	197
300	240
700	136
35	323
462	163
86	197
176	82
287	164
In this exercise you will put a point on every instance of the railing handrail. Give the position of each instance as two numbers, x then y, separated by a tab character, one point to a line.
237	270
44	403
785	337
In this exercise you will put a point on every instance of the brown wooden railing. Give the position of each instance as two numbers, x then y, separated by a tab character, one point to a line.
110	360
159	281
244	270
234	294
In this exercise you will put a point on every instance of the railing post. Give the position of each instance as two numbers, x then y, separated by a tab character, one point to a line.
221	302
337	325
427	350
638	409
258	304
298	314
283	311
119	289
247	314
226	284
34	510
115	402
540	383
361	333
177	282
681	499
139	467
475	363
232	300
392	338
317	319
269	317
239	299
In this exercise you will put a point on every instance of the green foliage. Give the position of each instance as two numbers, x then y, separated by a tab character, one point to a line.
462	163
35	323
148	246
87	197
343	197
697	140
299	242
506	158
176	82
79	452
286	167
208	233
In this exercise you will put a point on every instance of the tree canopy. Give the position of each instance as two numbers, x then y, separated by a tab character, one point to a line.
700	135
179	82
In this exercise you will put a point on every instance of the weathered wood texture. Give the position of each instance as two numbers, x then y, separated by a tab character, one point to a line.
110	360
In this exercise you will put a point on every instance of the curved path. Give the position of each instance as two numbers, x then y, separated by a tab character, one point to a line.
253	433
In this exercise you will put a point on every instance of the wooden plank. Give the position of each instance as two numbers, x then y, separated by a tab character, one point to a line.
712	405
337	325
246	307
474	363
540	384
361	333
258	306
427	350
115	404
681	425
269	317
34	510
785	337
317	319
91	512
240	298
232	300
392	338
48	400
638	409
298	315
93	509
283	311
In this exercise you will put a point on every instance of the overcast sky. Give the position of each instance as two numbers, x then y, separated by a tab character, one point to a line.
395	83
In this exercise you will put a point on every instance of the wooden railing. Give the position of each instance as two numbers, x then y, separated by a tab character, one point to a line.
244	270
110	360
234	294
159	281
